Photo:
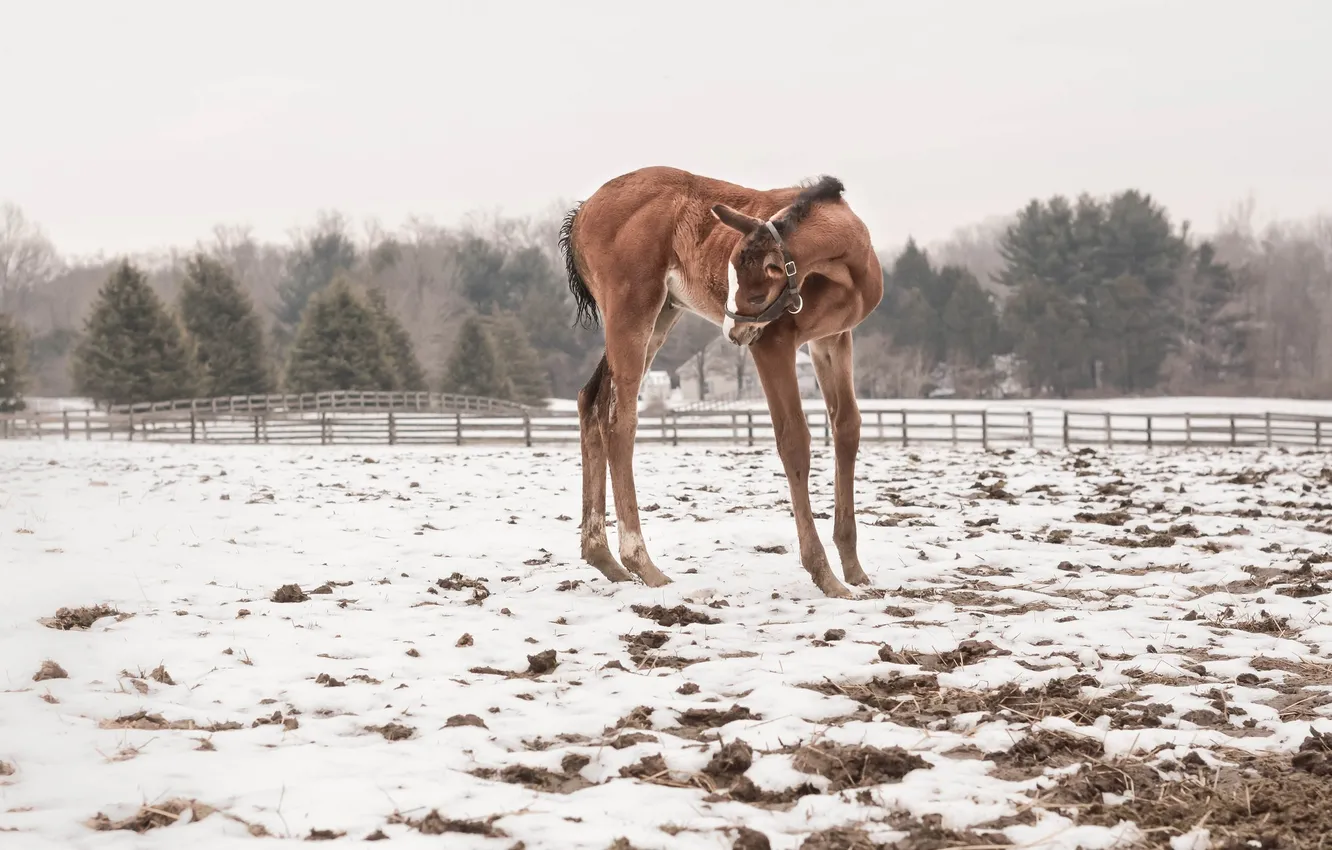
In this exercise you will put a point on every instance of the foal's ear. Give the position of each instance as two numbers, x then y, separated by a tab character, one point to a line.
736	220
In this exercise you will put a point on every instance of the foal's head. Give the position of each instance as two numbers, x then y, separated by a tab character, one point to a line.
762	274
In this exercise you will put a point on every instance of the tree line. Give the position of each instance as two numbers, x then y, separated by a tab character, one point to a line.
1066	297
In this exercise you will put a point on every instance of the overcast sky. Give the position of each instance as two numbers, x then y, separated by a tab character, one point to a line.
134	125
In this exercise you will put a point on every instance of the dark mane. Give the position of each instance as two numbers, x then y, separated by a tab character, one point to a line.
826	188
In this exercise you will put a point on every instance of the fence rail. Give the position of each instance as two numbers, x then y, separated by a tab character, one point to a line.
338	400
904	427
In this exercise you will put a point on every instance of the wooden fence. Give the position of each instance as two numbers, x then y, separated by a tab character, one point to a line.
904	427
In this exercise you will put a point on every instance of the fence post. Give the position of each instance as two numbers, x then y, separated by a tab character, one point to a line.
1267	427
985	430
457	427
880	419
192	424
393	432
1031	429
1188	430
256	427
827	431
1109	433
749	421
1065	429
1318	433
1149	430
903	414
1232	431
952	426
675	429
131	425
64	415
527	429
87	423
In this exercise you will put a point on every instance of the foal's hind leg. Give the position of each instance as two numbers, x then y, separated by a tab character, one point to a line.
593	410
629	349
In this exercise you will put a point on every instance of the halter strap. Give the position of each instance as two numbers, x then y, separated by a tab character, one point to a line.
788	300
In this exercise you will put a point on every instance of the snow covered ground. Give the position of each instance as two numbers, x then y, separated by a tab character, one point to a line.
1061	649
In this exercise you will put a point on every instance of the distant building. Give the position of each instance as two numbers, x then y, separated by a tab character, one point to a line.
720	370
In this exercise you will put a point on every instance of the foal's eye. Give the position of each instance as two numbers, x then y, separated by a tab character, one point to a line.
773	267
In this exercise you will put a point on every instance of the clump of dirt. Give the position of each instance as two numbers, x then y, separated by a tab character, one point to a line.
393	731
324	835
458	581
290	593
649	769
6	769
695	720
464	720
436	824
641	651
730	761
1315	754
49	670
630	739
1259	802
156	722
165	813
1043	748
161	676
750	839
919	702
542	663
967	652
680	615
329	682
1115	518
848	766
770	550
567	781
639	718
78	618
537	665
840	838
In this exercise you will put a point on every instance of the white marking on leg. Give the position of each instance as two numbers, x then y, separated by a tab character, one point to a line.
632	546
732	292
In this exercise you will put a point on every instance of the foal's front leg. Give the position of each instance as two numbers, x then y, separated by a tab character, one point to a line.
833	364
774	359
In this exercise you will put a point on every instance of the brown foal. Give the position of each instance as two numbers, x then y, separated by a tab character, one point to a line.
786	267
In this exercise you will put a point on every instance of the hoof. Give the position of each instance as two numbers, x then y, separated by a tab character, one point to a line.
857	577
652	576
606	564
832	588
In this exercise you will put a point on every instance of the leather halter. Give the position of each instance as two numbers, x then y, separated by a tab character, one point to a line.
787	301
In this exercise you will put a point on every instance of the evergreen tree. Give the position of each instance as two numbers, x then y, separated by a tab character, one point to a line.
228	340
314	265
1112	262
408	376
473	367
521	371
970	322
132	349
13	364
338	345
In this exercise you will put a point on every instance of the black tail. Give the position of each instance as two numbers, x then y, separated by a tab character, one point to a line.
587	305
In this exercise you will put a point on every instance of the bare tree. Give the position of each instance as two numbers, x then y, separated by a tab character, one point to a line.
27	257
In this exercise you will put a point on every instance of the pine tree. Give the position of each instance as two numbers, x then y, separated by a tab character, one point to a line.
338	345
132	349
408	376
13	364
521	371
228	339
474	368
